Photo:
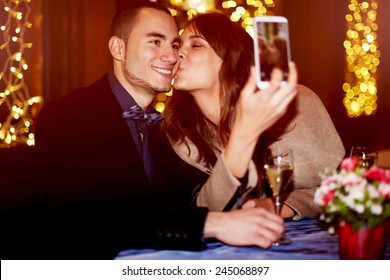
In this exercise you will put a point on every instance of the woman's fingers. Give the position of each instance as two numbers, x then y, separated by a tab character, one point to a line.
250	86
293	75
286	93
275	82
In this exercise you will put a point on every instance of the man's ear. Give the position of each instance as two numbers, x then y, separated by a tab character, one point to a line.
116	47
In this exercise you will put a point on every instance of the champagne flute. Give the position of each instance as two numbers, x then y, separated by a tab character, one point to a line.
278	169
367	157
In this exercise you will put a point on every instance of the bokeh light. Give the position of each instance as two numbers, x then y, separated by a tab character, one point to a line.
362	57
15	100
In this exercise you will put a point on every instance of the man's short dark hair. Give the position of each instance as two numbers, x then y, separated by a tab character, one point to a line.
126	19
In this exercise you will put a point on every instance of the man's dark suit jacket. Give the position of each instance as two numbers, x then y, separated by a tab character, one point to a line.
98	198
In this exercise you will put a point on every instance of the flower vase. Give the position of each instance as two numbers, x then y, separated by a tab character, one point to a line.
363	244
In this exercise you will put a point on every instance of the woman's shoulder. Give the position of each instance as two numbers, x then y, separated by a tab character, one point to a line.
307	94
309	101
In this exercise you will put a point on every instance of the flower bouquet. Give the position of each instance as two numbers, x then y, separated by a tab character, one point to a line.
355	195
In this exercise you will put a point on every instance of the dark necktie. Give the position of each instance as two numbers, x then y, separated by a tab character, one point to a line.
144	119
136	113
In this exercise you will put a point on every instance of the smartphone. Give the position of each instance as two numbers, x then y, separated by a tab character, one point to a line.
272	48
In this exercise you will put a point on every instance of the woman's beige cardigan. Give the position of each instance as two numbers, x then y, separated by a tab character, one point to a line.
316	146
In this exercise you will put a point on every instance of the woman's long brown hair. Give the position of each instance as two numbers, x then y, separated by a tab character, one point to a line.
183	117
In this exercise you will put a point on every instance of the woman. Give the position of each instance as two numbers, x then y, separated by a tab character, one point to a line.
214	126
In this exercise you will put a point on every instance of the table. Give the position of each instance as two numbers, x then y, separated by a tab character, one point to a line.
311	240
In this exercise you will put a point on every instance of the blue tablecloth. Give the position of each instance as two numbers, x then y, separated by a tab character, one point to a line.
311	240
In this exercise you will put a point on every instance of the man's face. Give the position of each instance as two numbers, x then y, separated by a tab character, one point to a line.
152	55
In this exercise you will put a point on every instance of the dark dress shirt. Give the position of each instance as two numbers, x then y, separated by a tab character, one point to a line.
138	128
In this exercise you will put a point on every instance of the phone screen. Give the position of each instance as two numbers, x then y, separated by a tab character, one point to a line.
272	41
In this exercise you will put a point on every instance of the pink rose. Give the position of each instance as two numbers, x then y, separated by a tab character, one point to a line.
350	163
377	174
328	197
384	189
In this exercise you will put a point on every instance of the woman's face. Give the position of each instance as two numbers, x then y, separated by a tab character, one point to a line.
199	65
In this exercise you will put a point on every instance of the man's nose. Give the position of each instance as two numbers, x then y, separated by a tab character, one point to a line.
170	56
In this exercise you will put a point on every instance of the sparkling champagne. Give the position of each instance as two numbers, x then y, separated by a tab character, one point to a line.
278	177
278	169
367	161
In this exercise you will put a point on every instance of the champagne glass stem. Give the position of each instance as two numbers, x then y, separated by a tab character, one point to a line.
283	239
277	204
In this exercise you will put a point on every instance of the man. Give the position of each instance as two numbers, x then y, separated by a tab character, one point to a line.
113	182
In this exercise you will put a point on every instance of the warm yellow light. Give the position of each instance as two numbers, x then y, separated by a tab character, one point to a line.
161	97
8	139
191	13
245	15
231	4
235	17
173	12
160	106
35	99
169	93
362	53
15	99
18	56
240	10
201	9
176	2
19	15
250	30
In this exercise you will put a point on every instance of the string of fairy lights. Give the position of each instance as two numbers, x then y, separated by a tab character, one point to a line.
15	100
362	56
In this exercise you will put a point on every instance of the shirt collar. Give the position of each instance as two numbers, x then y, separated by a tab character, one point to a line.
122	95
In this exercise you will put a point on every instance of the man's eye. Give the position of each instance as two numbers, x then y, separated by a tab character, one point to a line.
176	46
155	42
196	46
